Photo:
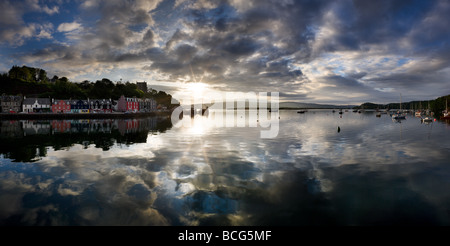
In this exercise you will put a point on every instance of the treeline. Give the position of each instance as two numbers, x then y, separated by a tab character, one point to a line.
33	82
437	105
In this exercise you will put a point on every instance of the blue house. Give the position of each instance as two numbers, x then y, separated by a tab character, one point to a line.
79	106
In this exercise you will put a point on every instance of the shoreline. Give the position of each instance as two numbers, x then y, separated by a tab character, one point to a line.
62	116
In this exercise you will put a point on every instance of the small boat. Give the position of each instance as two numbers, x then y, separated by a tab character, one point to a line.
301	111
446	114
418	113
426	119
378	114
398	116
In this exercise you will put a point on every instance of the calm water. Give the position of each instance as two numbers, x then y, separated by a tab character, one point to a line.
147	172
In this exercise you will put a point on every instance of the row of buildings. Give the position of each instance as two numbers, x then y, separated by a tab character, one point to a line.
15	104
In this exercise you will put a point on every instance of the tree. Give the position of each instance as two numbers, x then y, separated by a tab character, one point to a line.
62	89
86	85
14	72
22	73
102	89
64	79
42	77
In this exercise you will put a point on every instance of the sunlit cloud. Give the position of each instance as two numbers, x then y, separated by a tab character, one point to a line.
299	48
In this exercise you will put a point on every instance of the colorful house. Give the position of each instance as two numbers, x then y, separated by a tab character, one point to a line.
147	105
37	105
61	106
101	105
79	106
127	104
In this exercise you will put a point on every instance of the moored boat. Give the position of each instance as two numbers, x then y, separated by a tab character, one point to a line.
399	115
446	114
427	119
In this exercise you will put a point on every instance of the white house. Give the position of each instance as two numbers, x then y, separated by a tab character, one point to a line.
36	105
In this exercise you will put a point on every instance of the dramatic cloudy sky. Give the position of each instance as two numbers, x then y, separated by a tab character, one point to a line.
342	52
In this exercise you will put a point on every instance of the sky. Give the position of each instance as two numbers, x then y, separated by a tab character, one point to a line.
339	52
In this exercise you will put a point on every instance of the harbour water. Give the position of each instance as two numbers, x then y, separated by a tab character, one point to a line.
323	168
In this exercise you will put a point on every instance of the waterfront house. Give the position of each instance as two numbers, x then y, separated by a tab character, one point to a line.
127	104
147	105
101	105
60	106
79	106
10	104
36	105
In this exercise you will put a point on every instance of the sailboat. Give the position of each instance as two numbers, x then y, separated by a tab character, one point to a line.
399	115
446	115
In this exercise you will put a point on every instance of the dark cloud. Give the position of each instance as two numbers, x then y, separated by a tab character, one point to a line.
149	38
185	52
255	44
357	24
357	75
240	46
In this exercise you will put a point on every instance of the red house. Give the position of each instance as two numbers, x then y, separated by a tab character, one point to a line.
61	106
127	104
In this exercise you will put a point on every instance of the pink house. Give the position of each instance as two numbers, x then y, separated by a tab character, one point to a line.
127	104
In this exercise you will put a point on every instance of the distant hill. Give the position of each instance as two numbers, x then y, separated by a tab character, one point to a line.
436	105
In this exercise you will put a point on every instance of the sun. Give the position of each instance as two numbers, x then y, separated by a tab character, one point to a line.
197	89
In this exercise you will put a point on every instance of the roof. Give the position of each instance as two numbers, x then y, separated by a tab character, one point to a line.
31	101
100	100
64	100
8	98
75	101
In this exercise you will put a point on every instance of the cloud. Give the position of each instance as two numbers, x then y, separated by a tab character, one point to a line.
68	27
14	30
34	5
294	46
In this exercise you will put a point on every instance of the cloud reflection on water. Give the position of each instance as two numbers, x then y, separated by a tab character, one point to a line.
310	175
